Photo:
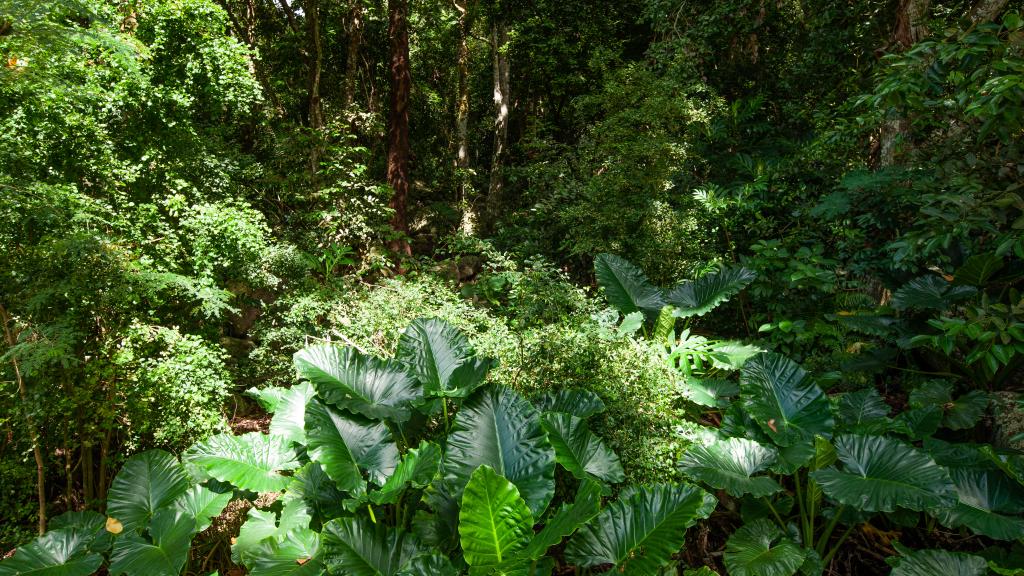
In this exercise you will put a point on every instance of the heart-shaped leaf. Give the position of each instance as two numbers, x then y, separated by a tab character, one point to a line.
171	533
760	548
202	504
937	563
580	451
441	358
639	533
880	474
346	445
784	401
989	504
627	288
494	523
497	427
731	465
355	547
251	461
418	468
290	413
700	296
298	553
147	483
345	378
61	552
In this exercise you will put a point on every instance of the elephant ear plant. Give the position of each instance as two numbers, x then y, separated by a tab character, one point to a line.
657	312
806	469
404	466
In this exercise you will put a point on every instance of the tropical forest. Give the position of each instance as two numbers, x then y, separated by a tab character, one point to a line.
512	287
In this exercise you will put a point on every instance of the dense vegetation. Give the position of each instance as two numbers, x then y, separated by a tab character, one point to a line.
305	287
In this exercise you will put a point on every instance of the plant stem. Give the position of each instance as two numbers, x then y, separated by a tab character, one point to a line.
782	523
812	513
838	544
804	524
820	548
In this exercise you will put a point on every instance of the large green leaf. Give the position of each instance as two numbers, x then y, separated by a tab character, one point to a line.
497	427
639	533
202	504
575	401
784	401
930	292
346	445
146	483
713	393
880	474
440	527
978	269
418	468
579	450
259	525
62	552
937	563
264	525
700	296
171	534
298	553
730	465
429	564
627	288
760	548
441	358
355	547
957	414
290	413
318	491
251	461
378	389
88	522
989	504
494	522
566	520
863	412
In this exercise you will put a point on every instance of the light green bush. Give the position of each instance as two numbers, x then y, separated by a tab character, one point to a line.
174	390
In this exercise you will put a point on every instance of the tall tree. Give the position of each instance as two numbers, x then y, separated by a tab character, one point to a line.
465	9
398	124
910	29
355	39
314	46
502	107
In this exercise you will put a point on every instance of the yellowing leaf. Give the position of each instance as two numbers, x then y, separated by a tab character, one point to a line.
114	526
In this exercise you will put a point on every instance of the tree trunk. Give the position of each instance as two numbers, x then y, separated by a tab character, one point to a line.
462	117
398	125
502	105
355	39
33	432
289	14
986	10
910	28
316	57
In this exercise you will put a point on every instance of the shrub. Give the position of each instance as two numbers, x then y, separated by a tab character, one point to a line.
175	389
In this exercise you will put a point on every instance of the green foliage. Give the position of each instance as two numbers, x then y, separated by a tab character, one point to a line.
493	476
639	532
762	548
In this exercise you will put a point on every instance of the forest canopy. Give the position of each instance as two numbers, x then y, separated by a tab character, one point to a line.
420	287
